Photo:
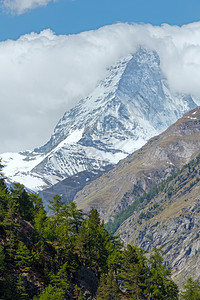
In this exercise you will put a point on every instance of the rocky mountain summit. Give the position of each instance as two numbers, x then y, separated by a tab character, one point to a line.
132	104
139	172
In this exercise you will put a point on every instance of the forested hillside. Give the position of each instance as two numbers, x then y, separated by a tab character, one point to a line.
70	255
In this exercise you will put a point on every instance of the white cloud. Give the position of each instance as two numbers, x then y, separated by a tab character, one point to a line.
43	75
21	6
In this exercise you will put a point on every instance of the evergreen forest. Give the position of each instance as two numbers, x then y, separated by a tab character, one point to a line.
68	254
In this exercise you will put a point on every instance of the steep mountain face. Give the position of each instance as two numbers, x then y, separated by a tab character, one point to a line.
139	172
131	105
69	187
170	219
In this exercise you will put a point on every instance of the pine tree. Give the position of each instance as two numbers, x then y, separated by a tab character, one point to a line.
191	290
134	272
56	205
73	216
23	201
4	195
9	224
2	260
51	293
23	256
21	290
108	288
160	285
85	241
92	243
114	260
40	215
102	288
61	278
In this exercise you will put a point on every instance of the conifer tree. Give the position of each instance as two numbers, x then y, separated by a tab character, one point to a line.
21	290
23	256
92	242
133	272
2	260
56	205
108	288
160	285
40	215
23	201
51	293
9	224
3	194
191	290
114	260
73	216
85	240
60	280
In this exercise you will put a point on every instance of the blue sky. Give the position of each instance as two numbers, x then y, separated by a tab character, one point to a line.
74	16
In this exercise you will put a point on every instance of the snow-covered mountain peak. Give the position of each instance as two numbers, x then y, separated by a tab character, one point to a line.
132	104
87	110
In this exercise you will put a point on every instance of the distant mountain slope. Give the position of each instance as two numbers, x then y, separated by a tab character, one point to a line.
69	187
171	219
140	171
132	104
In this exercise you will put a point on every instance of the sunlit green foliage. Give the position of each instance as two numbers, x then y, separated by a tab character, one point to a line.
51	293
23	256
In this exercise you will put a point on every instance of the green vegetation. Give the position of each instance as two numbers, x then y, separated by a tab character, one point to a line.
41	256
191	290
50	293
23	256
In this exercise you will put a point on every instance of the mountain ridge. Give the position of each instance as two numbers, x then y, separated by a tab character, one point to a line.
132	104
146	167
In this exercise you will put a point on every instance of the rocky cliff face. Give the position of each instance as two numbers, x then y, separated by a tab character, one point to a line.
132	104
160	157
171	219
